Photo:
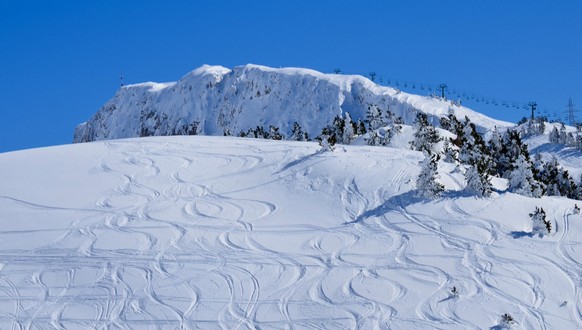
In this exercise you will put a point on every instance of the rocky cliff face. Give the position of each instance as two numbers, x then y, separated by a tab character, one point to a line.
212	99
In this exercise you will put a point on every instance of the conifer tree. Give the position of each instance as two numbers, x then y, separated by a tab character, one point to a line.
374	118
478	182
338	127
521	179
555	136
562	133
274	133
373	138
511	148
494	149
325	144
473	150
348	133
331	134
456	127
425	135
297	132
361	127
426	182
450	155
540	225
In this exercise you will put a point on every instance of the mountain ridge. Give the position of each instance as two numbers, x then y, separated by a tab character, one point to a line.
212	100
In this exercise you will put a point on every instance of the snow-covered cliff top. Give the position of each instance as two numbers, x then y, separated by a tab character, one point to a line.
212	99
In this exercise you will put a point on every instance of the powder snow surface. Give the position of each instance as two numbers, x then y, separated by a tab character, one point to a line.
219	232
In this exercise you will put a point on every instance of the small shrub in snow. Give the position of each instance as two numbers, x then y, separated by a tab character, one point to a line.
541	225
507	320
454	292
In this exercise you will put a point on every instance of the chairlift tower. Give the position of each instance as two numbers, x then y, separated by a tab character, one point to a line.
121	80
372	75
443	87
571	119
533	106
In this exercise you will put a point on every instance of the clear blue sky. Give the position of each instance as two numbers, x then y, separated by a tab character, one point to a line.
61	60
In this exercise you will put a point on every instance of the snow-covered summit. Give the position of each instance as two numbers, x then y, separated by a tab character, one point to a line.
213	99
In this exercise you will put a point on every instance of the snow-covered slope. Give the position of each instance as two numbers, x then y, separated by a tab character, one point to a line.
212	99
220	232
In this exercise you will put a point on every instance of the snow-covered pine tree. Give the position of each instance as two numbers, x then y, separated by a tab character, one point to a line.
478	182
374	118
348	133
557	180
297	132
570	139
563	134
494	147
567	185
325	143
578	142
258	133
361	127
521	179
339	124
397	125
426	182
445	123
533	126
330	133
473	150
425	135
555	136
579	189
540	225
548	175
511	148
467	148
456	127
379	137
274	133
373	138
450	154
389	125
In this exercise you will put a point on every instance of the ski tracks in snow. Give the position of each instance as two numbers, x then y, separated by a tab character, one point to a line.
182	242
